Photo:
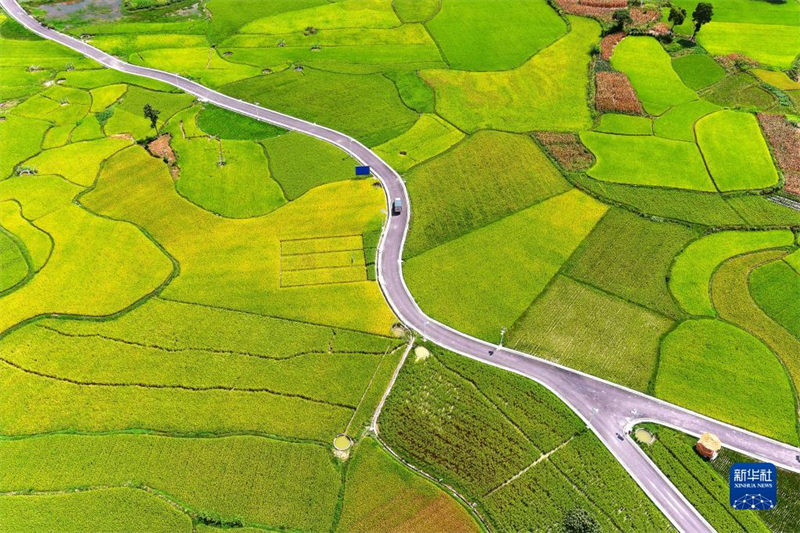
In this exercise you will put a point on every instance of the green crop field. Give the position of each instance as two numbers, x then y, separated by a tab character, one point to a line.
775	287
492	34
647	160
502	467
546	92
650	70
734	303
475	195
699	358
192	322
705	484
692	270
698	71
735	152
484	280
585	328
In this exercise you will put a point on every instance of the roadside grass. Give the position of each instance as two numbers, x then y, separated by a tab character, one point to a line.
775	288
20	138
239	187
107	509
299	163
364	106
647	160
381	493
13	266
494	35
630	256
693	268
735	151
706	489
625	124
481	429
36	242
490	175
125	267
776	78
346	14
77	162
416	10
732	298
679	121
206	245
353	50
484	280
649	68
584	328
105	95
548	92
709	366
697	71
428	137
247	479
224	124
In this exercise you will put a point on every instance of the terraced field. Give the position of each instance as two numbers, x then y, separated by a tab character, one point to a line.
188	307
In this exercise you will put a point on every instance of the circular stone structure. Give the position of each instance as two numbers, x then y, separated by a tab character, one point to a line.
342	442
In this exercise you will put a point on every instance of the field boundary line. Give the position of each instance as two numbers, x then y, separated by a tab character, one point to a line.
534	463
254	390
373	425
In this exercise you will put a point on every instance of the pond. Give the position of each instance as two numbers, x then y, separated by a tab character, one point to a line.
90	9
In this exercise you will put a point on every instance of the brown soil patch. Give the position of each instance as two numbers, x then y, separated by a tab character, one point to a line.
567	149
784	138
161	148
644	16
608	44
615	94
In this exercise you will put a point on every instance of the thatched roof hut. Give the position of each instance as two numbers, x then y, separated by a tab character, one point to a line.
708	446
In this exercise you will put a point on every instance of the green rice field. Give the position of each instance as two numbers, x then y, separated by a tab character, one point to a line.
190	311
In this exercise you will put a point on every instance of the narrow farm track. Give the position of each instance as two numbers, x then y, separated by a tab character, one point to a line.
608	409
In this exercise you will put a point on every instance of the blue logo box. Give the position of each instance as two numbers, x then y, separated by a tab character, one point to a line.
362	170
754	486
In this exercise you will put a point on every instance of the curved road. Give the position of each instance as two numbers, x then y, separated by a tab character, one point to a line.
607	408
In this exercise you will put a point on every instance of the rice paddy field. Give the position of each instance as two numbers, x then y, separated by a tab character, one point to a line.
188	308
705	483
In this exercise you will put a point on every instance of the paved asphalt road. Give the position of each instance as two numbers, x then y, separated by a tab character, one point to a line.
607	408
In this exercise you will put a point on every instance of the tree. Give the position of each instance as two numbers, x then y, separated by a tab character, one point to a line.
676	16
701	14
621	17
151	113
580	521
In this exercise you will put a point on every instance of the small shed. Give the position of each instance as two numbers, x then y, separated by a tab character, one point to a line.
708	446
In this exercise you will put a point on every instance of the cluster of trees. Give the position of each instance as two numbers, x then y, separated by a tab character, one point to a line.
701	15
